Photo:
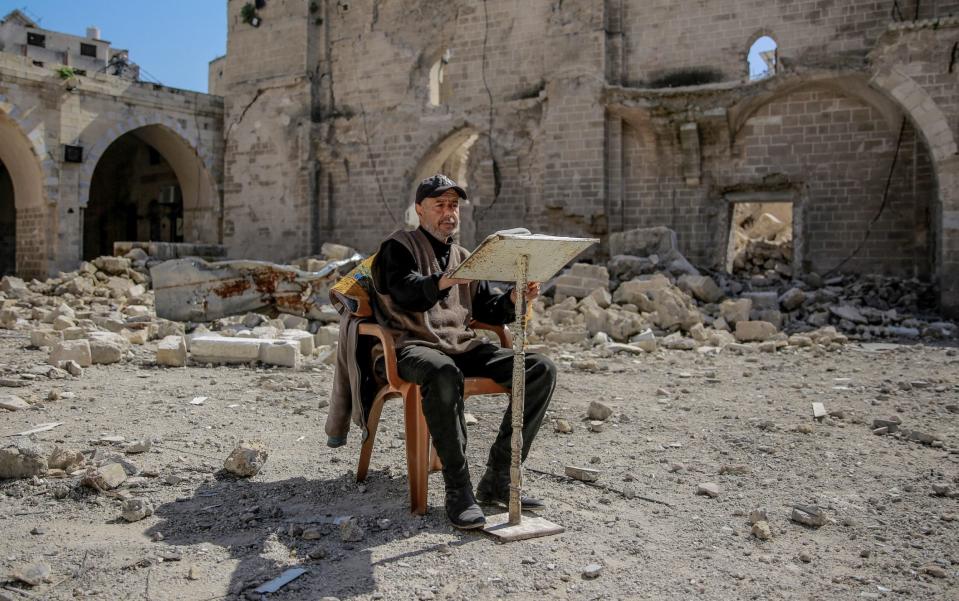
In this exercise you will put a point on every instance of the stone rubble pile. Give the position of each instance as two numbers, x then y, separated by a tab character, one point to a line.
762	245
638	303
100	313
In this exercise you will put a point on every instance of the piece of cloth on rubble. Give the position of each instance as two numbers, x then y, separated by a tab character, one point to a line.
354	379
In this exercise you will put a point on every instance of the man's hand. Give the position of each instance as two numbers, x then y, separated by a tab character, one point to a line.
532	291
446	282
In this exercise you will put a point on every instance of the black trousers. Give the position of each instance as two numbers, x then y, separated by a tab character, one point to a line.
440	377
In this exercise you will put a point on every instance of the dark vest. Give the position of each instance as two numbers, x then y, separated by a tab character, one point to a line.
445	326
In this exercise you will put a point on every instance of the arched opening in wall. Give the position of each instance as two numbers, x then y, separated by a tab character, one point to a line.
148	185
763	58
451	157
439	86
23	211
866	182
8	224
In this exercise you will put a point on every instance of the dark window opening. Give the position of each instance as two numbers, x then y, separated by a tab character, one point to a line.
81	72
73	154
36	39
88	50
37	63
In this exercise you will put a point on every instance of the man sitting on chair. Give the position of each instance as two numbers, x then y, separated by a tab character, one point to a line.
428	315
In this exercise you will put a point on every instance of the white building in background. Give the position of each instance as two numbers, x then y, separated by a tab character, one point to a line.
21	35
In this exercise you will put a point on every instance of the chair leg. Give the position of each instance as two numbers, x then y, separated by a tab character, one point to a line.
417	449
366	451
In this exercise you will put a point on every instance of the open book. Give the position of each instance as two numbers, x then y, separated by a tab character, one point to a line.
496	257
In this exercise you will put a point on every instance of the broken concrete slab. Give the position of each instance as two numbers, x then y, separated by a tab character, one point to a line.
71	350
194	290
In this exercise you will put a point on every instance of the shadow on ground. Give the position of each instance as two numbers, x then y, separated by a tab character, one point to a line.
268	527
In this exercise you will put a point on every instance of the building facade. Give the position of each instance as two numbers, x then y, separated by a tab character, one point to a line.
91	155
587	117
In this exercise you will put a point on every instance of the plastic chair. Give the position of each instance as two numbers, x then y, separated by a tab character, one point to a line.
421	458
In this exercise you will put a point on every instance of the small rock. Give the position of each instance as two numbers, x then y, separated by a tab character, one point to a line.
933	570
470	419
21	460
596	426
761	530
942	490
106	477
246	459
709	489
739	469
808	515
12	402
592	571
758	515
805	557
598	411
562	426
583	474
32	574
139	446
136	509
350	531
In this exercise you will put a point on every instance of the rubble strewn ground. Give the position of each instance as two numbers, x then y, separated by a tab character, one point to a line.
809	448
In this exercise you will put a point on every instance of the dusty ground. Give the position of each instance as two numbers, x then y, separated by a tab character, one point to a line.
222	536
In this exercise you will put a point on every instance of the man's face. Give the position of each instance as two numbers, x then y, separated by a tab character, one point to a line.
440	216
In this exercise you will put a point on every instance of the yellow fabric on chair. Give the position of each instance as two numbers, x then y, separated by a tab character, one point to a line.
352	290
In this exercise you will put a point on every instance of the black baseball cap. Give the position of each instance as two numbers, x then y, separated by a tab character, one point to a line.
435	185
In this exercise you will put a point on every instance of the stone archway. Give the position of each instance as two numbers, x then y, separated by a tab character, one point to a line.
23	205
896	96
450	156
195	188
926	116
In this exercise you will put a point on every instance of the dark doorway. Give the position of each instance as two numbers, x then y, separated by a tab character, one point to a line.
134	196
8	224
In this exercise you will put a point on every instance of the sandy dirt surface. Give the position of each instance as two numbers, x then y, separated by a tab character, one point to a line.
680	419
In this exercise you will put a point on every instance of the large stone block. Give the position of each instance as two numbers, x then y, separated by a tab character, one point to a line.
754	331
71	350
171	351
284	353
702	287
106	347
218	349
303	339
736	310
326	336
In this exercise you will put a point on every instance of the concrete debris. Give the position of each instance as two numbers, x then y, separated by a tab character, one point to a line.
105	477
583	474
136	509
562	426
33	574
598	411
194	290
21	460
67	460
592	571
808	515
12	402
709	489
246	459
761	530
351	532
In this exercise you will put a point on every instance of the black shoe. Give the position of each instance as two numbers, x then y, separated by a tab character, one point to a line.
493	489
462	510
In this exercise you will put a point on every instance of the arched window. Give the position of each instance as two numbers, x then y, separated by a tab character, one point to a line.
763	58
439	89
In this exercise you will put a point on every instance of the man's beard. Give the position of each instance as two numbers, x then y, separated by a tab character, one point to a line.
438	234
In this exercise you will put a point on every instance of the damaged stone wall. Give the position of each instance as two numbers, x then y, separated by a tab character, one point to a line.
562	118
40	114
